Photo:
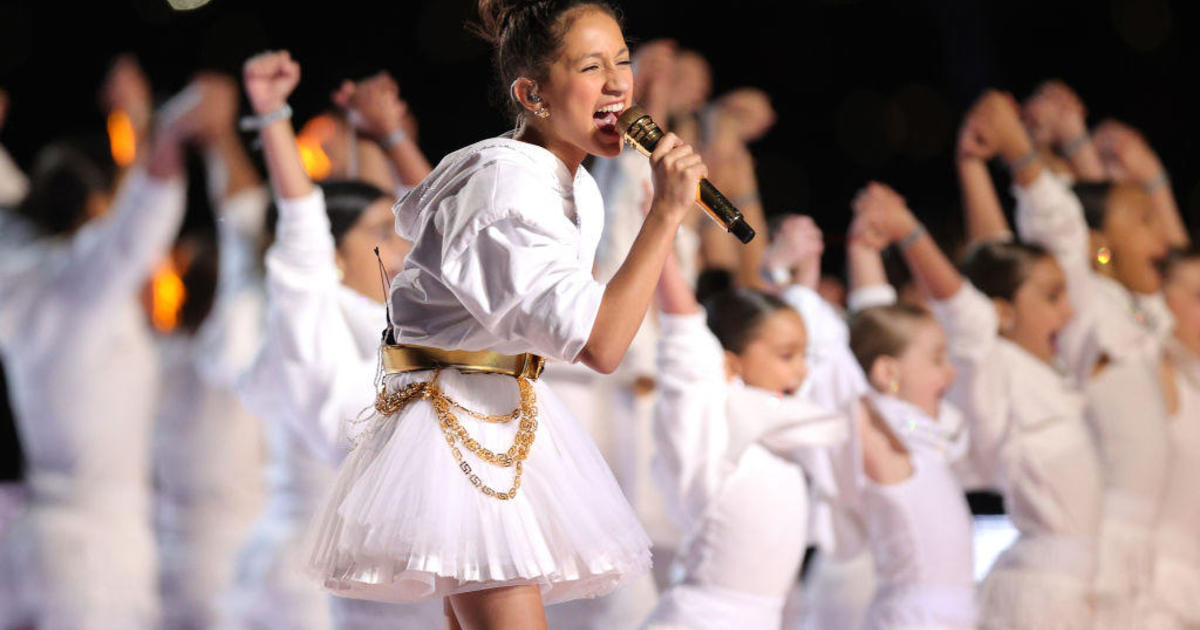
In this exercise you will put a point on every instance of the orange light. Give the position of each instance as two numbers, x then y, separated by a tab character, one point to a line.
313	157
122	139
167	295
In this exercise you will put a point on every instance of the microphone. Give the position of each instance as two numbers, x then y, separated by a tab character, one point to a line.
636	127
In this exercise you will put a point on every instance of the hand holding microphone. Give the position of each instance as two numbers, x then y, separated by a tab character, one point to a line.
681	167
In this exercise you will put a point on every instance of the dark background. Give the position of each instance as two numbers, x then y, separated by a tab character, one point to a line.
863	89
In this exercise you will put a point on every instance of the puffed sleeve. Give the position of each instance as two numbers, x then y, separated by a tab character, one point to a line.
980	389
513	261
690	428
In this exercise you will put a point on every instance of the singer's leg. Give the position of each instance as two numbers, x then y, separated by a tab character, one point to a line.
505	608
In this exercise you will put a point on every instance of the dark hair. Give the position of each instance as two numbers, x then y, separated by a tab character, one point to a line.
345	201
734	316
883	331
1178	257
1093	196
63	179
999	268
526	35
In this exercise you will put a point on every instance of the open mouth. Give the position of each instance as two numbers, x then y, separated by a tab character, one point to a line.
605	118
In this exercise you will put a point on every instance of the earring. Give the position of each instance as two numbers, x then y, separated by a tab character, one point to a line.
542	112
1103	255
894	386
341	274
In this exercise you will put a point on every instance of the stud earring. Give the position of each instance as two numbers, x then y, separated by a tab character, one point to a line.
1103	255
894	386
542	112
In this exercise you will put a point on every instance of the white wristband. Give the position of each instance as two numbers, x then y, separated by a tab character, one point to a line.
398	136
255	123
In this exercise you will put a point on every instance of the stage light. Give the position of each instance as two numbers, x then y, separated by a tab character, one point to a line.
186	5
167	295
122	139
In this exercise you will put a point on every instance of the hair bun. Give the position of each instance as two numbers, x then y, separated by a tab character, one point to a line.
494	16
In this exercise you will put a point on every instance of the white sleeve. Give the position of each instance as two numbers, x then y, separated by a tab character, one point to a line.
1049	215
979	389
835	380
113	255
308	332
690	429
522	280
869	296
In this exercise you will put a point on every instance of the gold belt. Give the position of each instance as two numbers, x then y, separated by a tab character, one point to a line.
400	358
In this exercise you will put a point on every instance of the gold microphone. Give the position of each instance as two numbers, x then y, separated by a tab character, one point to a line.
636	127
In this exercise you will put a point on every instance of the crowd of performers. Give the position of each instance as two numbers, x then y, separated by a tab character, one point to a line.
216	438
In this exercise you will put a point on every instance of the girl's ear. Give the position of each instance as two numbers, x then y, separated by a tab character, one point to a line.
885	375
524	91
1006	313
733	365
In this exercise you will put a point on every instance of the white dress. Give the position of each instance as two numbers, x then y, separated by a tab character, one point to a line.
208	448
314	371
503	243
1111	326
83	375
1029	440
1175	601
920	530
729	460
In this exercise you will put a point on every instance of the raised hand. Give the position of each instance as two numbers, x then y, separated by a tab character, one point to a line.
1126	154
269	79
748	111
1054	114
975	140
653	73
127	89
375	105
797	247
215	112
885	210
866	233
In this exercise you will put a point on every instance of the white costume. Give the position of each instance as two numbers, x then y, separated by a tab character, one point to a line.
728	459
1175	600
1111	325
208	448
503	243
82	373
919	530
314	371
1030	440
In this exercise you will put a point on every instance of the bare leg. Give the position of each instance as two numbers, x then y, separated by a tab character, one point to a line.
505	608
451	620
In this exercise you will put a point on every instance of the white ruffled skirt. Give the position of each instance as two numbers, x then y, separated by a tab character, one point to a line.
403	523
1040	583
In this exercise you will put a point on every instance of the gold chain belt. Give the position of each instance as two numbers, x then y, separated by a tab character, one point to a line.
398	359
525	367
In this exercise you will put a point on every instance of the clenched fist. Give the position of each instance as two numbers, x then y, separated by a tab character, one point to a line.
269	79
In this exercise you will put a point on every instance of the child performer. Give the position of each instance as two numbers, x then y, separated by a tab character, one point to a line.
1029	436
473	482
918	527
324	308
730	433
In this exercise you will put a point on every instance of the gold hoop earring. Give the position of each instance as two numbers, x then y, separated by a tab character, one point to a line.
1103	255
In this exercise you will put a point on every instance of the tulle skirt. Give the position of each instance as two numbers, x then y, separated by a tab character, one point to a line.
402	522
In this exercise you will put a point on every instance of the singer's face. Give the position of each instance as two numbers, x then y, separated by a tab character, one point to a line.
774	358
589	85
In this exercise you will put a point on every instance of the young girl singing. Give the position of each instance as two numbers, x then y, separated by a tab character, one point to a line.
730	433
472	482
918	527
1029	436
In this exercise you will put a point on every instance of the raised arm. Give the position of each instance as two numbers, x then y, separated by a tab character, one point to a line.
865	271
269	79
933	271
984	216
1128	157
794	255
1055	115
377	111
